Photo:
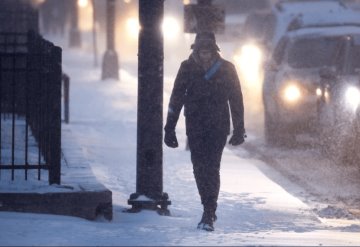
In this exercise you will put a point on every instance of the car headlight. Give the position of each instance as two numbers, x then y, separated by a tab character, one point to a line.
291	93
171	28
132	27
249	60
319	92
352	97
83	3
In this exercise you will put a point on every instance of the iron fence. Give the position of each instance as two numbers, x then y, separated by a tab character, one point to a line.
18	16
30	97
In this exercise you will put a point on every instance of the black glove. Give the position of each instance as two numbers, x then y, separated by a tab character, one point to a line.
237	138
170	139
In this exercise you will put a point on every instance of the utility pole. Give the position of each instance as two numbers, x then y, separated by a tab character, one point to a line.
110	65
149	175
74	35
94	34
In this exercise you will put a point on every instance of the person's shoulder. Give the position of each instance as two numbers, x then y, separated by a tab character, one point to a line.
227	63
188	63
189	60
185	62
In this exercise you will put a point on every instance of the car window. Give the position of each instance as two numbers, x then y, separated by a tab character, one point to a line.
314	52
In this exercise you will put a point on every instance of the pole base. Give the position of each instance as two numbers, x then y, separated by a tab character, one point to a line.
141	202
110	66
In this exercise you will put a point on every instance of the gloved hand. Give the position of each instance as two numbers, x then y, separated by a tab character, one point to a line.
237	138
170	139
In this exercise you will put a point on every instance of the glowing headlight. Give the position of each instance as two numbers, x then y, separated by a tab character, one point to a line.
249	61
133	27
170	28
292	93
318	92
83	3
352	97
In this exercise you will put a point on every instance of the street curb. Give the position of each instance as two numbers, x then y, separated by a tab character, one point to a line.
80	193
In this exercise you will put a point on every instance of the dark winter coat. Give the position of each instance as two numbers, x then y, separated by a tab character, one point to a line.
206	102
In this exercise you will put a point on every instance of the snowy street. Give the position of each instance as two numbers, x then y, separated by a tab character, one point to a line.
268	196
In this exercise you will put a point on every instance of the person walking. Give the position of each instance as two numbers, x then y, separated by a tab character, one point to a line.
206	85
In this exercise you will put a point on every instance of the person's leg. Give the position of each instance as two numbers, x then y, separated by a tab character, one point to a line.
206	151
198	159
215	147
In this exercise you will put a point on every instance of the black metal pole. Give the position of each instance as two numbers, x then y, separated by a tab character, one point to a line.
110	65
13	103
149	184
1	112
55	135
74	36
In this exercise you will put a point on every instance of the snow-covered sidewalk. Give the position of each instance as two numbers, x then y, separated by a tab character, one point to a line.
253	210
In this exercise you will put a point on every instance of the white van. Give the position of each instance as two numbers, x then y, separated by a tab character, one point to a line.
263	30
291	94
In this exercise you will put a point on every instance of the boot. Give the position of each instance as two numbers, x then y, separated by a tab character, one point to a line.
207	220
211	207
212	215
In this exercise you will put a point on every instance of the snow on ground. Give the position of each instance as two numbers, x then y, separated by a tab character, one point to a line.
253	209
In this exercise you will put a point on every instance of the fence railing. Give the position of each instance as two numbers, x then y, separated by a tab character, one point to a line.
18	16
30	97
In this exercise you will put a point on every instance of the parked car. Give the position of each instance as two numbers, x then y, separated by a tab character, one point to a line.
293	86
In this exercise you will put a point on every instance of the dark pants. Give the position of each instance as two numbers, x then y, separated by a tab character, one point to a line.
206	151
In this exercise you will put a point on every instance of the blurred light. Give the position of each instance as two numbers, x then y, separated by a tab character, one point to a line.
83	3
132	27
326	94
318	92
250	62
37	2
170	28
186	2
127	1
352	97
85	13
292	93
